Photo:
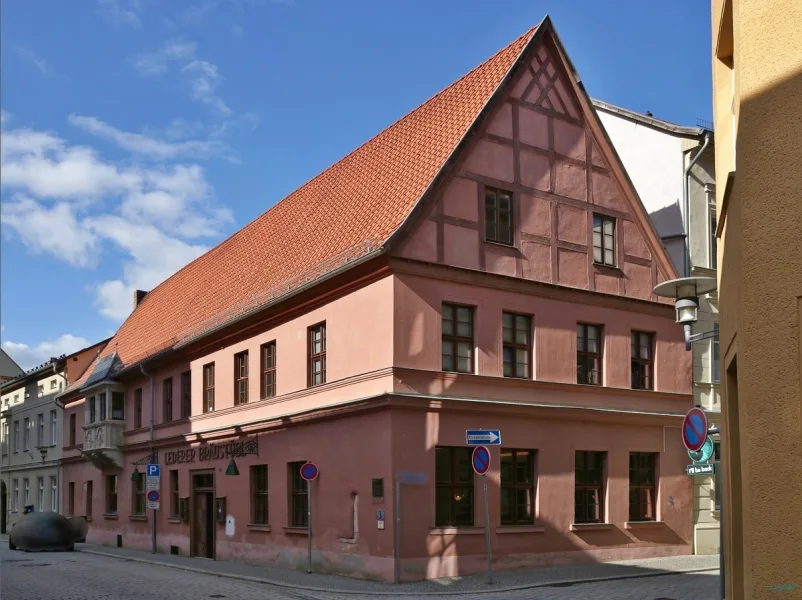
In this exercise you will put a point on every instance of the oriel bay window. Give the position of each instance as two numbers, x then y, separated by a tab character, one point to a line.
299	495
604	240
498	216
241	378
453	487
259	504
589	487
588	354
518	486
642	486
208	388
269	370
642	360
317	354
118	406
457	338
517	340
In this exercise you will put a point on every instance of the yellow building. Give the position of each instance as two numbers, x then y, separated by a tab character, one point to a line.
757	81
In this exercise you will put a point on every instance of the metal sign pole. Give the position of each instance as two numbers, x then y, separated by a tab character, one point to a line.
487	532
309	517
397	531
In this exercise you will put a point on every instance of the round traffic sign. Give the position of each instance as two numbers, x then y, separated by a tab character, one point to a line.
705	453
153	496
694	429
481	460
309	471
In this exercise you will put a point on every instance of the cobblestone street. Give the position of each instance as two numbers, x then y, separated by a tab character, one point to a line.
83	576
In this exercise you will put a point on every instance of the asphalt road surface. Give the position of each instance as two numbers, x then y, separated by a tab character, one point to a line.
80	576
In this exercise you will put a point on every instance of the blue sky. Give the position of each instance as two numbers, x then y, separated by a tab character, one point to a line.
137	134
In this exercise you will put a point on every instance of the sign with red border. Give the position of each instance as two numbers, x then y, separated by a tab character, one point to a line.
481	460
694	429
309	471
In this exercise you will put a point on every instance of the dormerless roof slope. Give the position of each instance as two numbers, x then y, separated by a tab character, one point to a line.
360	200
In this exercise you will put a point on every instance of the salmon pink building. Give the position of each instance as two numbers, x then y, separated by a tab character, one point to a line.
483	263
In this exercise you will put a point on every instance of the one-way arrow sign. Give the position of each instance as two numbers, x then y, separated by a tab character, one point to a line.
483	437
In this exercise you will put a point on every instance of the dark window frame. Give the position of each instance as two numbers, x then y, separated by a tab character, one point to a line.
175	501
515	486
73	428
454	486
208	388
269	361
584	357
167	400
495	230
90	493
515	345
639	510
112	483
70	498
453	340
583	485
299	496
117	406
138	506
260	495
241	378
642	369
186	394
316	356
606	241
138	408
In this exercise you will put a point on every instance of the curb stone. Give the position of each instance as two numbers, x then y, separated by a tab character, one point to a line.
492	590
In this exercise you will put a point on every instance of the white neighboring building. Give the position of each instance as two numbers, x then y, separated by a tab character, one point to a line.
656	154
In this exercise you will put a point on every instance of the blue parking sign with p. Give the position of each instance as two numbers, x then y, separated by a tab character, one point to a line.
154	471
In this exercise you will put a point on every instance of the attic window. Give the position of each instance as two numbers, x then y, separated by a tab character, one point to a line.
604	240
498	216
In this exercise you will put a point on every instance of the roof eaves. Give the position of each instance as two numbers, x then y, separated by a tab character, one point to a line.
32	373
653	122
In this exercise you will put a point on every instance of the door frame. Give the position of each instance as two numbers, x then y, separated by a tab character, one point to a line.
203	490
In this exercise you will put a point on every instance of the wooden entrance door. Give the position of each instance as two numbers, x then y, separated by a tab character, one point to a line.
203	515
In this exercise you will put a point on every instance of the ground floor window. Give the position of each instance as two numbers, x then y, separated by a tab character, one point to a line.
111	494
589	487
53	494
260	514
41	504
138	496
175	503
88	499
517	487
642	486
453	487
71	498
299	496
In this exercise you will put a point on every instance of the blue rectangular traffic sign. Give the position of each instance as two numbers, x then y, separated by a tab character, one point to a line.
153	471
483	437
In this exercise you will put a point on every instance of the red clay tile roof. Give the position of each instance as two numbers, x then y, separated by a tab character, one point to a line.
359	200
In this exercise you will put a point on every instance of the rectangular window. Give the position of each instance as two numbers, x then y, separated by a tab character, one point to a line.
498	216
604	240
259	496
642	486
40	430
41	390
53	427
40	506
453	487
186	394
16	436
71	498
317	354
642	360
168	400
111	494
91	409
118	406
137	408
269	370
518	481
26	492
88	499
102	403
517	337
15	497
713	240
138	497
175	504
53	384
588	354
299	496
72	429
53	494
6	441
589	487
26	434
457	338
208	388
714	347
241	378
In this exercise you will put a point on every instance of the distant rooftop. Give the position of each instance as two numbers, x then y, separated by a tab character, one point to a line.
652	121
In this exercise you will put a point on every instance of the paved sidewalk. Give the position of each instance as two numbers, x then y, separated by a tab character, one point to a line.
502	581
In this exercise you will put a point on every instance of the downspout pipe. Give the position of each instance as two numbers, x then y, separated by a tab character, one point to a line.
686	205
152	424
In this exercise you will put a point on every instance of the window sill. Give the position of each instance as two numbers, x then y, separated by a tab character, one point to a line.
174	520
644	524
110	516
520	529
457	531
592	526
138	518
510	246
258	527
296	530
614	268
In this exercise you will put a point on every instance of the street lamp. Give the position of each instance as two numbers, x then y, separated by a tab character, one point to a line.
686	292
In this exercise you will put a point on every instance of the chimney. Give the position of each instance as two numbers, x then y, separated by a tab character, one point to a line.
138	296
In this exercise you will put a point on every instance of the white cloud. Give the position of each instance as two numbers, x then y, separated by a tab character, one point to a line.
156	63
120	12
204	80
28	357
150	146
71	203
34	59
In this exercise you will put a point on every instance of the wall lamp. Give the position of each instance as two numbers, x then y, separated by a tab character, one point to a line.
685	292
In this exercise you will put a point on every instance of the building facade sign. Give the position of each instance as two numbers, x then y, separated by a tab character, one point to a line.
209	452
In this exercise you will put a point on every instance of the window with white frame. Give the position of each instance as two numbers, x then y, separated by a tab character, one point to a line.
15	495
40	429
53	494
41	504
26	434
26	492
53	427
715	361
713	246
